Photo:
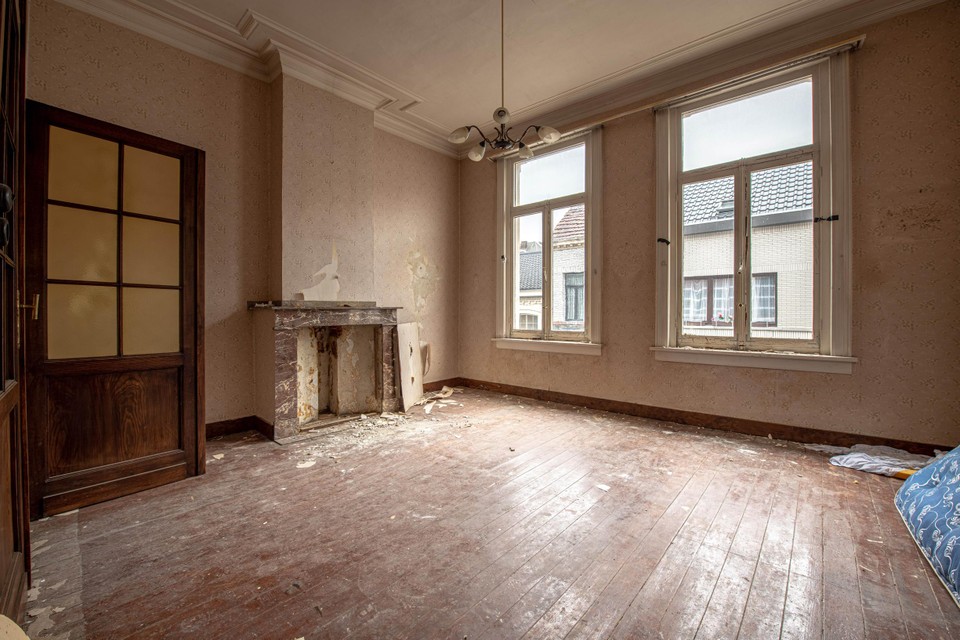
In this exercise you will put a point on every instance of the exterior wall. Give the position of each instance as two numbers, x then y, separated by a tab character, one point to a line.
83	64
906	200
786	250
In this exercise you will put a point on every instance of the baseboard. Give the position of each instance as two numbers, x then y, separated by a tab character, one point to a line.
239	425
440	384
705	420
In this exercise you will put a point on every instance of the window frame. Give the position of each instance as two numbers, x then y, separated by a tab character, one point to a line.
830	153
547	339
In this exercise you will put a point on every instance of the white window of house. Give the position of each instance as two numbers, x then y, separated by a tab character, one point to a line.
549	248
754	222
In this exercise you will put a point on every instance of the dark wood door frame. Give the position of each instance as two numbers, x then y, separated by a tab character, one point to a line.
71	490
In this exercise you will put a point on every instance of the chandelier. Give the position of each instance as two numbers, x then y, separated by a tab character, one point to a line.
502	141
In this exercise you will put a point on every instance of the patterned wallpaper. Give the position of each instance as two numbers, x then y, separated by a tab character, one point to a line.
416	241
390	205
906	162
327	189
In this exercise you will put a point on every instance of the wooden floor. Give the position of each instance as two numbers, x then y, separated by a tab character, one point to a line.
500	518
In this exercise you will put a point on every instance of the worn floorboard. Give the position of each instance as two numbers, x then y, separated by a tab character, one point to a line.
494	517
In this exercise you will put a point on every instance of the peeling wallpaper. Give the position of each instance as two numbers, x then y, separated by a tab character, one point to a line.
327	190
906	264
81	63
416	237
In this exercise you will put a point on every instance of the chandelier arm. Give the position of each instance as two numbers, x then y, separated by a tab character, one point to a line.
526	131
480	131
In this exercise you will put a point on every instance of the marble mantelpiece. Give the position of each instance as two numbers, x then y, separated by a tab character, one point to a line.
282	334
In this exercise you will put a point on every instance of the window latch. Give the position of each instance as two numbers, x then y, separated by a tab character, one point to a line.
827	218
663	240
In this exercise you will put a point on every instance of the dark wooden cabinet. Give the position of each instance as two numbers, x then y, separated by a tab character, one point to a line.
14	528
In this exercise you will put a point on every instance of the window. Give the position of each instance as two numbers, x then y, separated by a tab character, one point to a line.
754	215
529	321
549	284
573	297
708	302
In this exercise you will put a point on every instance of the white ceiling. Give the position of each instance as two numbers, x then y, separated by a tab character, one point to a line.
429	66
447	51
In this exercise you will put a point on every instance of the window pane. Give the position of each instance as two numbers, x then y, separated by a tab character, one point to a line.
151	321
764	300
550	175
708	247
151	183
83	169
81	321
781	118
695	291
568	237
81	245
781	252
528	272
151	252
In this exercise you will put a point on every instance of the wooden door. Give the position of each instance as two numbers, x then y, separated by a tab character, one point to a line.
14	530
113	250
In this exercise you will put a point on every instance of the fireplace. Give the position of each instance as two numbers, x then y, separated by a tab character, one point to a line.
330	361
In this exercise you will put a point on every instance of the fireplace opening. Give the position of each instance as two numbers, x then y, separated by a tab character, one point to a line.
336	374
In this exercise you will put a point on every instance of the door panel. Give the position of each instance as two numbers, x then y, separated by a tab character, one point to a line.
97	420
114	237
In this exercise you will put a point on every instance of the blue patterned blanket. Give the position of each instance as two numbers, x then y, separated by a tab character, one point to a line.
929	502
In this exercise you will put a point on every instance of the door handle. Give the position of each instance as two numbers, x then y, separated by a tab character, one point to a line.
35	306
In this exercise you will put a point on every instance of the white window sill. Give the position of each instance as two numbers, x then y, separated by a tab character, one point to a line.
553	346
757	359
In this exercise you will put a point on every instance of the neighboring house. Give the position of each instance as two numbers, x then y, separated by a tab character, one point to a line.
530	271
569	292
781	253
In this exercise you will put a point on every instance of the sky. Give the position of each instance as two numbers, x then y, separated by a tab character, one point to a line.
781	118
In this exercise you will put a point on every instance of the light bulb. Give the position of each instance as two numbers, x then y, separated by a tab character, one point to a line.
548	134
476	153
501	116
459	136
525	152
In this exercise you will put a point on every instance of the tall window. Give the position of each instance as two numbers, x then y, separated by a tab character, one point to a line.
549	244
754	215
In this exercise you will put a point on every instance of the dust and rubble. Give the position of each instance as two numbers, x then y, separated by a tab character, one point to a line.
332	444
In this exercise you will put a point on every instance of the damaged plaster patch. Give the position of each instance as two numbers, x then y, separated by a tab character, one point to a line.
327	281
424	278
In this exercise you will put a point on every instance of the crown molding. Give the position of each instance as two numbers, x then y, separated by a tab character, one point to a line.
261	48
721	52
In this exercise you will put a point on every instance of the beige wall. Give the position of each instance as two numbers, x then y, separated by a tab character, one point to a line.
80	63
327	189
906	159
416	243
391	206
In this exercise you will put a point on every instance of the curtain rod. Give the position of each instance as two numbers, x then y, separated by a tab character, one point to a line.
851	44
847	45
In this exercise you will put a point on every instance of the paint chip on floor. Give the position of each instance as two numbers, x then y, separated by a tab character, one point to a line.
603	487
306	464
218	456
